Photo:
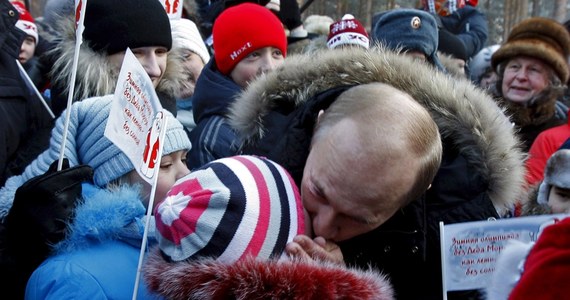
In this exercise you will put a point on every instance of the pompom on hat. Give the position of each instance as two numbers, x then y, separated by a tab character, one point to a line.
348	31
26	22
113	26
409	30
229	209
242	29
556	173
185	35
541	38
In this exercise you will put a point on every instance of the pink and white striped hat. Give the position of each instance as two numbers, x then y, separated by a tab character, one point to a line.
228	209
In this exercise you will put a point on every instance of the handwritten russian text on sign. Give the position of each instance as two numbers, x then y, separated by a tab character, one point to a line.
132	116
470	250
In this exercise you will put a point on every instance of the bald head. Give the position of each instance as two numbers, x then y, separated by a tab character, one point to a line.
374	150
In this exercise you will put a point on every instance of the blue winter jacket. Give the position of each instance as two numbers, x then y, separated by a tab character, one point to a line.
212	138
99	258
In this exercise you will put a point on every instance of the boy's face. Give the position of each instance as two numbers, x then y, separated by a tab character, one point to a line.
256	63
153	60
27	50
559	200
172	167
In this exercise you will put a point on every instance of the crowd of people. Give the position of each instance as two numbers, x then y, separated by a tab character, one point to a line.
300	160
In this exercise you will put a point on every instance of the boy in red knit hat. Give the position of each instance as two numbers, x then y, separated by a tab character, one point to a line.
249	40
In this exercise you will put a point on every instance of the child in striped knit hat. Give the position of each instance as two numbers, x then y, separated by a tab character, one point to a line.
221	233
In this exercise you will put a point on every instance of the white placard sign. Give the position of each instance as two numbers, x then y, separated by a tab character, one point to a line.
136	118
470	249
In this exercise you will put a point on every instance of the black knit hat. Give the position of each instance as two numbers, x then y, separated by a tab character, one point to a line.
113	26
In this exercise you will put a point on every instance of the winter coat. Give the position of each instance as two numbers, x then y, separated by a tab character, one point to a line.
481	172
99	257
544	145
470	26
250	279
97	77
21	113
212	138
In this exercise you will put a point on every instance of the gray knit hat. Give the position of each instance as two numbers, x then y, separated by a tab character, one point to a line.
86	143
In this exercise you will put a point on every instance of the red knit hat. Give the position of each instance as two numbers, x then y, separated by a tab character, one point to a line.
348	31
242	29
547	267
26	22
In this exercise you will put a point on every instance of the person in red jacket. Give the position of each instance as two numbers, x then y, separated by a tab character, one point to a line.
545	144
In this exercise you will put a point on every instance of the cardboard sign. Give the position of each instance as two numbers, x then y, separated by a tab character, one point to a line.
136	119
469	250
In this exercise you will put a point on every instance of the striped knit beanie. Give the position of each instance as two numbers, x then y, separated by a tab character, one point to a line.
228	209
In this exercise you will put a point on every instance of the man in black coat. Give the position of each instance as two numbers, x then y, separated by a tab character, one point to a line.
480	175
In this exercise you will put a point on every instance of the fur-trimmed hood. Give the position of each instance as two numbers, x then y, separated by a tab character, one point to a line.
105	214
95	75
249	278
465	114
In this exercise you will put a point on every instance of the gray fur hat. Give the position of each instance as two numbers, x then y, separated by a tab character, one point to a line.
557	173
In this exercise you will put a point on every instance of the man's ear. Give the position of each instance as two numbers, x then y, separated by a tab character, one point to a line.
319	116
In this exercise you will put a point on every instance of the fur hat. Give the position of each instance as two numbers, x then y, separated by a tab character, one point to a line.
557	173
26	22
481	63
242	29
113	26
408	29
547	266
185	35
541	38
228	209
348	31
86	143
